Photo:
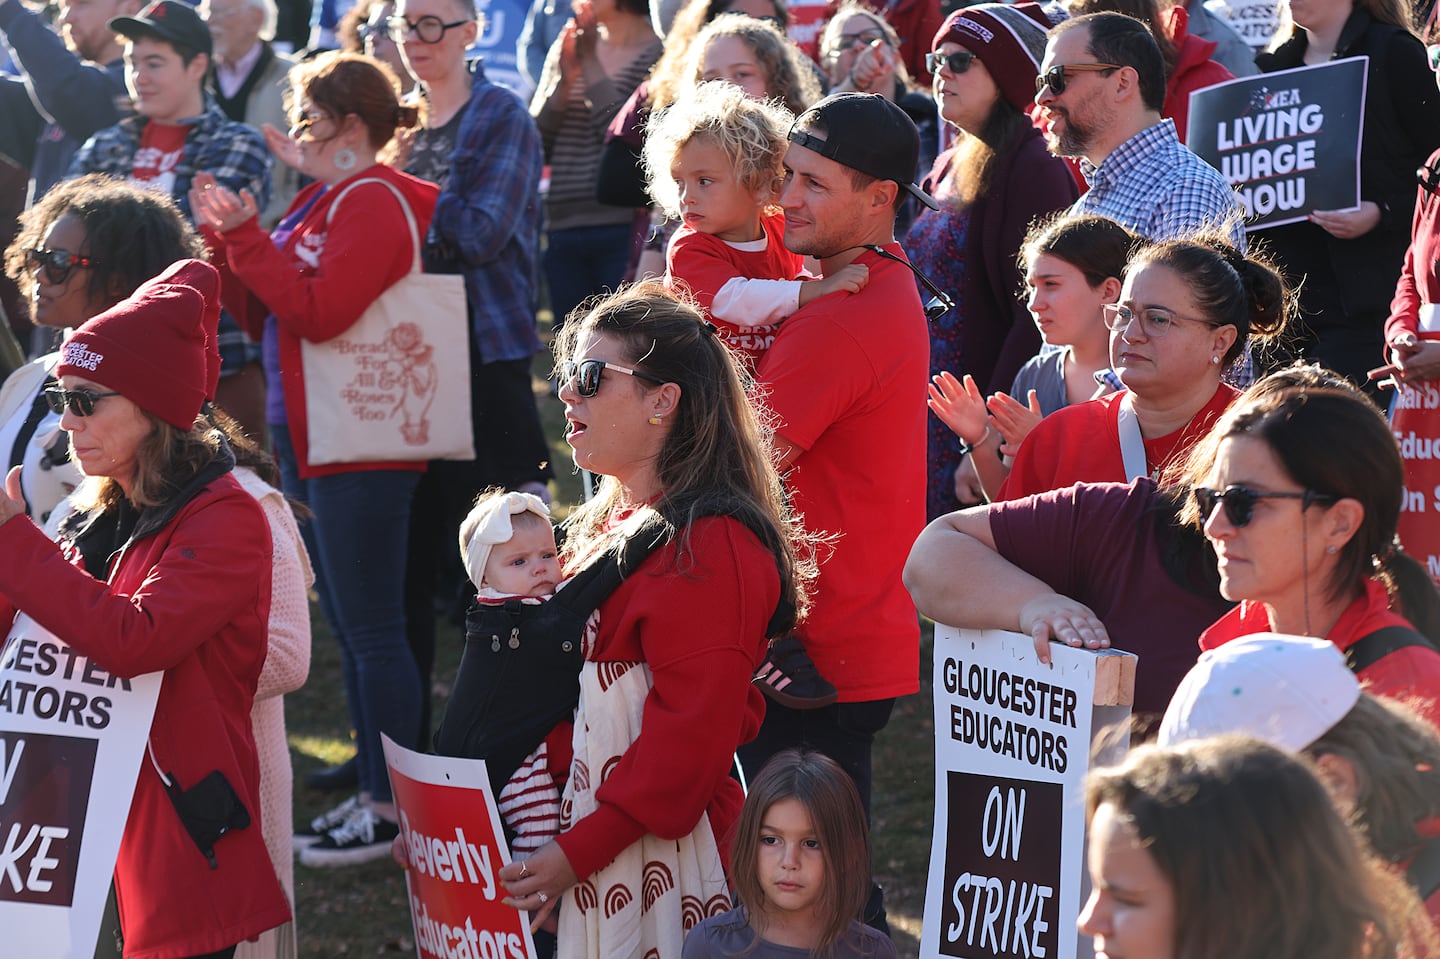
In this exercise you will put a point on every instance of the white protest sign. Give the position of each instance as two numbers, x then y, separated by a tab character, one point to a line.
72	737
1012	745
451	829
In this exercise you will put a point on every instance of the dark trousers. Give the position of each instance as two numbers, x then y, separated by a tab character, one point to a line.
845	732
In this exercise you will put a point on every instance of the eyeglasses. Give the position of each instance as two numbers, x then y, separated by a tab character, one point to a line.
79	402
957	62
848	40
1056	77
1239	501
304	121
428	29
57	264
585	375
939	303
1153	323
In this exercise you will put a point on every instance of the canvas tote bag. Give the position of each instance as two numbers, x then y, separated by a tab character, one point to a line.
396	385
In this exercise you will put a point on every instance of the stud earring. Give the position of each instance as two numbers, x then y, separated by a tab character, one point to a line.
1214	361
345	159
1331	550
654	421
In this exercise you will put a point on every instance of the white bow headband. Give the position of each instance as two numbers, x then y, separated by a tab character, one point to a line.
494	526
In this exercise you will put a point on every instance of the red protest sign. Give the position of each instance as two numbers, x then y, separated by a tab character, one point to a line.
450	826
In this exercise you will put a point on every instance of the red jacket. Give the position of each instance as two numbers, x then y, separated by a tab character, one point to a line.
324	279
1420	279
191	598
1411	674
1194	70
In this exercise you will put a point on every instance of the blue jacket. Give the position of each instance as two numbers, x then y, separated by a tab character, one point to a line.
75	97
487	220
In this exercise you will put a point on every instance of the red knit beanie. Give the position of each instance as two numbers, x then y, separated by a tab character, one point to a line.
152	346
1008	38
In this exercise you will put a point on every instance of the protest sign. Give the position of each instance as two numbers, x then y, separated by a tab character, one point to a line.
451	829
72	737
1012	745
1255	20
1289	141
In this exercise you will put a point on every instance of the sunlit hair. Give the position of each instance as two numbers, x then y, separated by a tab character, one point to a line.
788	76
1261	863
1336	443
1096	246
351	84
830	38
750	133
672	73
838	819
1116	38
131	233
716	459
1229	287
1394	12
1146	11
1396	757
165	460
480	509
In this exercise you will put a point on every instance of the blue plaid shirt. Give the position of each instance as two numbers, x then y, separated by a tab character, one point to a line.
233	153
1154	185
487	220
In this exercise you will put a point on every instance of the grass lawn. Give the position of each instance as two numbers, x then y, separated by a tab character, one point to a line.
361	910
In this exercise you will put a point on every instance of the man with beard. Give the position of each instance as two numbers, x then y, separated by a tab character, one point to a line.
1100	90
844	380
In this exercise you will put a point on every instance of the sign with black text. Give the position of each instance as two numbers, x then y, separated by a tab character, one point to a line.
72	737
450	827
1288	142
1012	741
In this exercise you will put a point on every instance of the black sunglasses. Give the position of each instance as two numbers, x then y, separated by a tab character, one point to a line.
1056	77
1239	501
939	303
80	402
58	264
585	375
957	62
428	29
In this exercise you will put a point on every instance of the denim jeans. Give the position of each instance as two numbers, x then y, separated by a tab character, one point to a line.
358	540
583	261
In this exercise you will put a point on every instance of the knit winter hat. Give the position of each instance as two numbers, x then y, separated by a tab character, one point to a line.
1008	38
1286	690
152	346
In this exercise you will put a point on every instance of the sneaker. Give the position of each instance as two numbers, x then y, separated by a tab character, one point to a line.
789	676
323	823
364	837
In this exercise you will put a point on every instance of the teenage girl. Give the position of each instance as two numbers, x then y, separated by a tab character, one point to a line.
714	163
1073	266
801	869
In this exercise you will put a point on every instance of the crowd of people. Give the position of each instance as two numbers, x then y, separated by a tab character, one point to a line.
770	250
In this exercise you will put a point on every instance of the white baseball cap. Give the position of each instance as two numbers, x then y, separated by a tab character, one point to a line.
1285	690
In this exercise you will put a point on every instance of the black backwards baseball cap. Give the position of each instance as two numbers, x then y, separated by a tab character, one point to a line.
868	133
167	20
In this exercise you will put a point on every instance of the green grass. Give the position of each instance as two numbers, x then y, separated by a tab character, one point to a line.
361	910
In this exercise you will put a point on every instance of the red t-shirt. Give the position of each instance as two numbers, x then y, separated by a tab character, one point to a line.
1411	674
705	263
846	379
161	145
1102	544
1081	444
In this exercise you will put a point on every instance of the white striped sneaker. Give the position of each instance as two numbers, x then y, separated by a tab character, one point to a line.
323	823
